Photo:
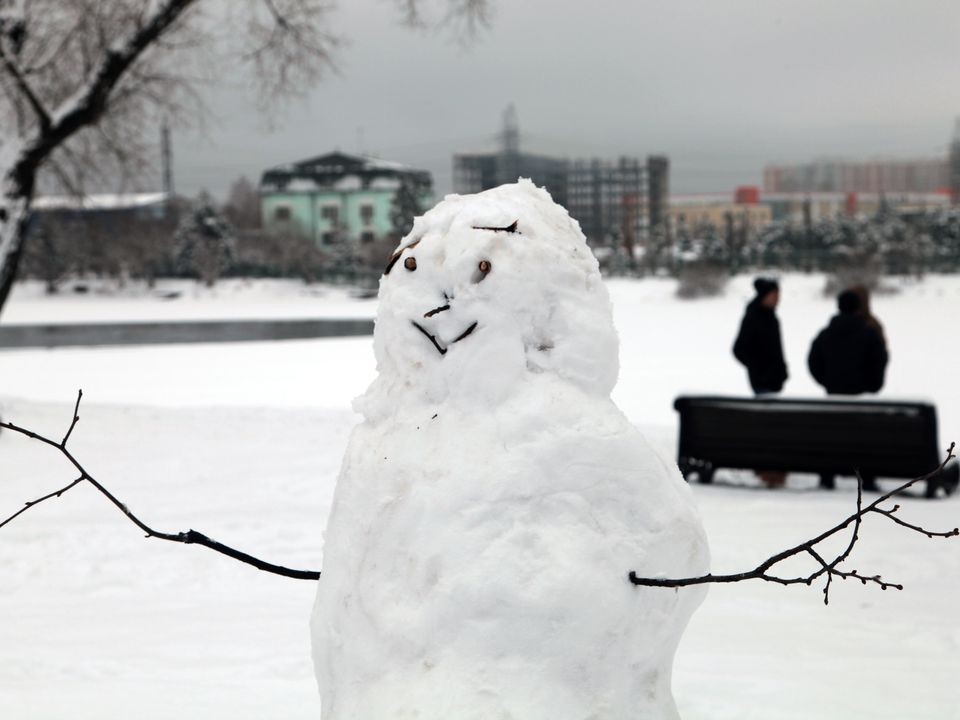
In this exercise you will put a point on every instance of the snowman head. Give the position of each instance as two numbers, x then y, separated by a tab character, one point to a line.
486	290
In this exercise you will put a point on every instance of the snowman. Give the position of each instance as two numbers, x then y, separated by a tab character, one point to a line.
494	499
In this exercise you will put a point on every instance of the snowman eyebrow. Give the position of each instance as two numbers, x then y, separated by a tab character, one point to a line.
511	228
398	253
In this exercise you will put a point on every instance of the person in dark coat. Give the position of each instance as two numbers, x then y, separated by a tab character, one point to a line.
758	345
759	348
849	356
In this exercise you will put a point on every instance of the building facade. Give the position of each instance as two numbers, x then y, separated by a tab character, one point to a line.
609	199
749	206
928	175
482	171
339	198
623	199
954	160
688	213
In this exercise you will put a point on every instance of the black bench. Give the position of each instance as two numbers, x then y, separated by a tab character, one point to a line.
827	437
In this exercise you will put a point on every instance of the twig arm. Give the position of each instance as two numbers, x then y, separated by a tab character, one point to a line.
190	537
828	568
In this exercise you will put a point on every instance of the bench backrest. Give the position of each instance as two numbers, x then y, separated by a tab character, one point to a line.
887	439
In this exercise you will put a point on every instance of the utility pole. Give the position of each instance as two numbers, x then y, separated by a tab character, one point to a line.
167	160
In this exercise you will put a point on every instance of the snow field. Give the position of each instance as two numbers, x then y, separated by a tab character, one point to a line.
244	441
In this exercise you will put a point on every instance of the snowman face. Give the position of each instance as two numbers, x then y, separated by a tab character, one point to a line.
438	277
487	288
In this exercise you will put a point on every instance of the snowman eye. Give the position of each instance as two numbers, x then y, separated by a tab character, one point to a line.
410	263
483	269
396	256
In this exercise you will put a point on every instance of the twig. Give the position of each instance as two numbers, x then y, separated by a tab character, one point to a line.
190	537
26	89
30	503
830	569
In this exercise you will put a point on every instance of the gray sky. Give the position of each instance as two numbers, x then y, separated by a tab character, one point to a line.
722	86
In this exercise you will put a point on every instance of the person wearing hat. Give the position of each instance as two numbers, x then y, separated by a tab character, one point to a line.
849	356
759	349
758	346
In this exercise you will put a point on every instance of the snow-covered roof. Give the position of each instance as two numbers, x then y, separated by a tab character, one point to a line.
336	171
99	201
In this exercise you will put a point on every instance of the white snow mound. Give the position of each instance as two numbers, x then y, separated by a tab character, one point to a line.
492	503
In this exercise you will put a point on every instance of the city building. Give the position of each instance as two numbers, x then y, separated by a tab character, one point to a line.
756	209
658	187
609	199
688	213
927	175
615	201
339	198
954	160
473	172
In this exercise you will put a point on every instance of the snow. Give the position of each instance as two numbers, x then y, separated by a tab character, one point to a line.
243	441
183	300
348	182
98	201
301	185
492	501
385	183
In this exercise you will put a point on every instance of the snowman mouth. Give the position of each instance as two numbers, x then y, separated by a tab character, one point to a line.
441	348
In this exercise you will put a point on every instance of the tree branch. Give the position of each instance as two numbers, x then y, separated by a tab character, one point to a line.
190	537
25	88
830	569
89	103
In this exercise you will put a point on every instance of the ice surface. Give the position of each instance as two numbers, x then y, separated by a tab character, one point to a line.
491	504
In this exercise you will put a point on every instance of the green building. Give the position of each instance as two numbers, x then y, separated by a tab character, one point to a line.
337	199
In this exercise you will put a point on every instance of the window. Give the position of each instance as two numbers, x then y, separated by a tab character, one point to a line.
330	213
366	214
366	237
327	238
281	213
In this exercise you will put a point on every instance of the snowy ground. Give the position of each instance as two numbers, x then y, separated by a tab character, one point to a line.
243	442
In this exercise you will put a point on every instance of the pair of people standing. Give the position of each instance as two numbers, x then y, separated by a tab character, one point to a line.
848	357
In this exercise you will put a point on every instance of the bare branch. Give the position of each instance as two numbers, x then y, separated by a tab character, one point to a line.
189	537
25	88
89	103
30	503
830	569
76	419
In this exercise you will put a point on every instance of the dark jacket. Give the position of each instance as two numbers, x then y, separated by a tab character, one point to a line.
848	357
759	348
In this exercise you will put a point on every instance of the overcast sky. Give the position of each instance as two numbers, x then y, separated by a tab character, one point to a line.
722	87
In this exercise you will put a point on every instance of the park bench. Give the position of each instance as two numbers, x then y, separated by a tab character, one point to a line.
828	437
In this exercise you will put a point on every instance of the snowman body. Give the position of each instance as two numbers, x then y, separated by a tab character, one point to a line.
494	499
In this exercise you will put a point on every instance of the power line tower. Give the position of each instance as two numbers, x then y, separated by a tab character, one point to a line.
509	165
510	136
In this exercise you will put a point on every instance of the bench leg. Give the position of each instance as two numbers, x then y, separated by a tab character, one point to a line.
828	481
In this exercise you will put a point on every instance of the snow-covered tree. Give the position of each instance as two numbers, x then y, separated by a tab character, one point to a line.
205	243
